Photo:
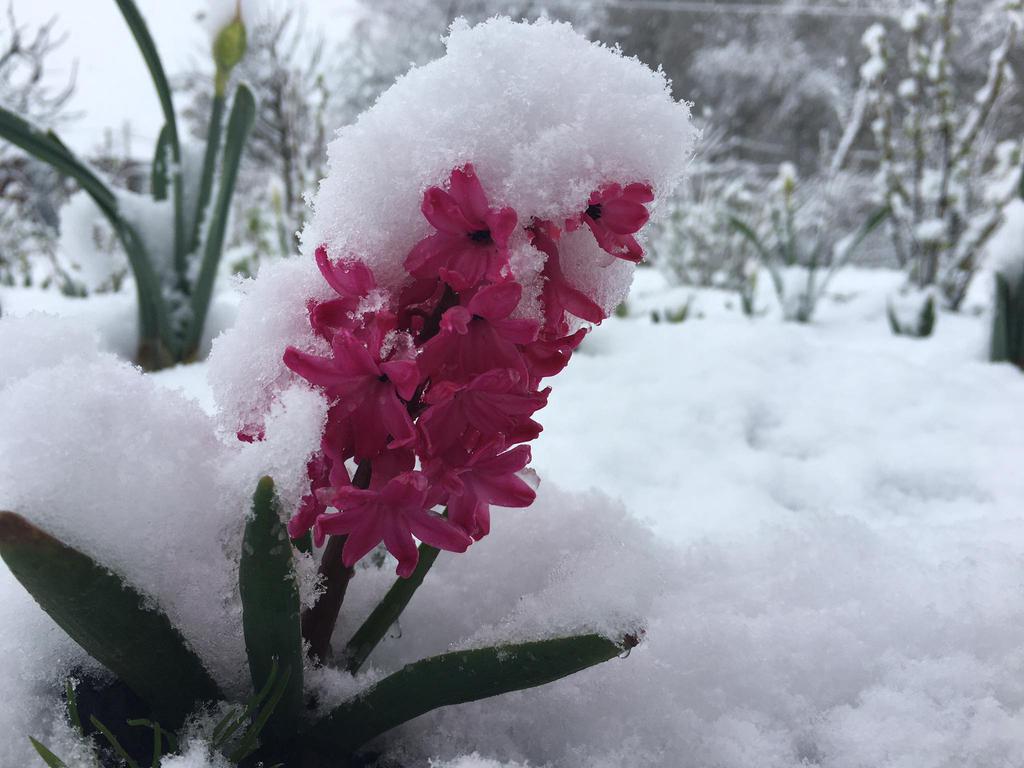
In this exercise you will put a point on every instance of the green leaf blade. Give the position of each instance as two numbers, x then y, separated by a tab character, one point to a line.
457	678
240	123
387	612
107	618
271	607
48	757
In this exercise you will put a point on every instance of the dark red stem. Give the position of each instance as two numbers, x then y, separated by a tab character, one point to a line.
319	620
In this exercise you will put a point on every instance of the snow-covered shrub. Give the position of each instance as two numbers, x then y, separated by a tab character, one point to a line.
388	381
694	243
1006	253
30	192
173	239
798	242
944	178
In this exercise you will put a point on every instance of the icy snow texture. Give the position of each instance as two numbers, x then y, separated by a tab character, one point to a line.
545	116
246	369
196	755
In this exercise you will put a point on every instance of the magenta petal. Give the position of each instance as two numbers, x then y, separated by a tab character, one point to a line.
317	370
393	416
402	546
577	303
466	266
438	532
443	424
462	510
624	217
641	193
508	462
502	224
362	540
456	320
517	331
441	210
350	279
404	374
506	490
469	194
496	301
429	255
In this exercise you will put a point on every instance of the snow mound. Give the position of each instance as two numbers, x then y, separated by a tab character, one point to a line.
137	477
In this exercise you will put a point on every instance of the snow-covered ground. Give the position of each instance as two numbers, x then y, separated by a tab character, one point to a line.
822	525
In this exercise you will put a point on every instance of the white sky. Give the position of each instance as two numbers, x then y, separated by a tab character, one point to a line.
113	84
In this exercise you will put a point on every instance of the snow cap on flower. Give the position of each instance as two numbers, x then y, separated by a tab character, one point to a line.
546	117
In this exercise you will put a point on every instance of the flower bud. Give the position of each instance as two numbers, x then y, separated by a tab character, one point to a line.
228	49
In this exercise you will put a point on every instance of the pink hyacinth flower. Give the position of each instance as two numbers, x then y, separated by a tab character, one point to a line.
393	514
480	336
557	295
477	479
614	214
471	241
352	281
491	404
368	391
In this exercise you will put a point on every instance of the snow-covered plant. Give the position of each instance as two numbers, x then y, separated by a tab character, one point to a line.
1007	341
1008	319
798	246
291	73
944	179
173	239
420	344
30	192
695	244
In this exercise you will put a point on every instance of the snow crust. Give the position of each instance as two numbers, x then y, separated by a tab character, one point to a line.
545	116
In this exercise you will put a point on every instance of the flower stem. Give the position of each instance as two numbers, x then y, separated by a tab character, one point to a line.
387	612
318	621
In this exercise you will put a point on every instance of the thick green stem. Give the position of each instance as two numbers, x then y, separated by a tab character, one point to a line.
369	635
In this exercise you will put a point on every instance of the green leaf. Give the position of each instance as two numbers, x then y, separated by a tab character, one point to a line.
372	631
456	678
108	618
48	148
249	742
45	146
48	757
240	122
159	173
270	607
113	742
147	48
72	702
1000	343
209	165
